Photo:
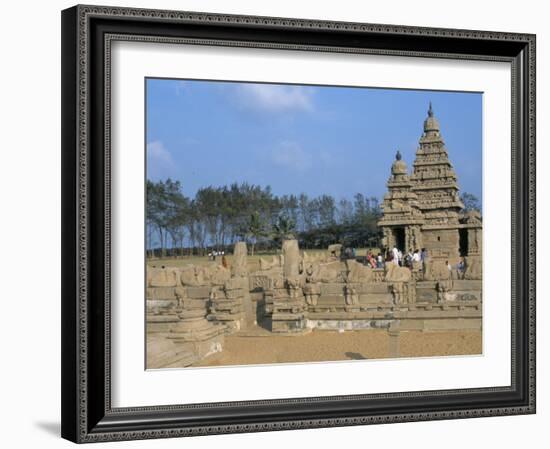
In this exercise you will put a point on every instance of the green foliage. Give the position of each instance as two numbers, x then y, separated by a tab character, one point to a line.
217	217
283	228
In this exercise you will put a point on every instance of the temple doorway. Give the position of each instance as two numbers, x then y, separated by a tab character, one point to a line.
399	238
463	241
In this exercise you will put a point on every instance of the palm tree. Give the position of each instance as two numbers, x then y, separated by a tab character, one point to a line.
283	229
255	229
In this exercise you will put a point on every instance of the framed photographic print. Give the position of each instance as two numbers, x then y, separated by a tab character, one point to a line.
284	223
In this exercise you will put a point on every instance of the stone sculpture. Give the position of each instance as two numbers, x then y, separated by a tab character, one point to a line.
357	272
395	273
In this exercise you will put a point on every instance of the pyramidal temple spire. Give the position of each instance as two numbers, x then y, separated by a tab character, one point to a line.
431	125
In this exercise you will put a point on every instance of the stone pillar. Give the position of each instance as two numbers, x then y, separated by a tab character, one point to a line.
239	266
291	253
289	304
394	333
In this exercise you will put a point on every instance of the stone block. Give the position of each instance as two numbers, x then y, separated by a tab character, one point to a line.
332	289
198	292
379	288
327	300
376	298
465	285
237	283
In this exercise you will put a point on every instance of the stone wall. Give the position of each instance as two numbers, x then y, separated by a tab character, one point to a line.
195	307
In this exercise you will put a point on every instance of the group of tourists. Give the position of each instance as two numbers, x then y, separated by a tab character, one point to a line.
412	259
396	257
213	254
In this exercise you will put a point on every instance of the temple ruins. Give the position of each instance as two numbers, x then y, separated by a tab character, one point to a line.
190	309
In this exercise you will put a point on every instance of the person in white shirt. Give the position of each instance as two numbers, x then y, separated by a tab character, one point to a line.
395	254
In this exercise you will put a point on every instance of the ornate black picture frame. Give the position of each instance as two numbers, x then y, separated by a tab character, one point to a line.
87	33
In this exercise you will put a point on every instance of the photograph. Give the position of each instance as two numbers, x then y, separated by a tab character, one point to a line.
272	221
294	223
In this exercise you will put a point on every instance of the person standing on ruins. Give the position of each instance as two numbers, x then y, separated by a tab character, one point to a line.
395	255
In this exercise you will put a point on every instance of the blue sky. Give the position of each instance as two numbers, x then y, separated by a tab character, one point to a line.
295	138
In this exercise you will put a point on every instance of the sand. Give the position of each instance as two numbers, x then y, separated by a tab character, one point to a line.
244	349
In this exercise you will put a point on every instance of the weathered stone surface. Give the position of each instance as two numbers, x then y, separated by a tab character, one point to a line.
219	275
375	298
464	285
357	272
312	293
161	293
198	292
275	262
436	269
236	283
240	263
163	353
260	282
162	277
474	268
351	295
194	276
332	289
194	333
335	250
161	303
395	273
292	259
330	272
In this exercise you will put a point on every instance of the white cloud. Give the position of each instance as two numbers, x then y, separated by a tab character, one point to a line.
275	98
157	151
160	163
292	156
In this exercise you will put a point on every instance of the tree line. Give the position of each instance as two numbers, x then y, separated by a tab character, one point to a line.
217	217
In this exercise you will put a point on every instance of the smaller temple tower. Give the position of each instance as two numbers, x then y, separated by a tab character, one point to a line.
402	219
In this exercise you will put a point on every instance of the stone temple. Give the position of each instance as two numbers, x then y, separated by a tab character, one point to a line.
423	209
191	309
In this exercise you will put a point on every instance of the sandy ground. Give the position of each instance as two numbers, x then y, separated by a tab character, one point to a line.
350	345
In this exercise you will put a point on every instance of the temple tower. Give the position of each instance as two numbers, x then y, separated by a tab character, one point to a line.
402	219
435	184
424	209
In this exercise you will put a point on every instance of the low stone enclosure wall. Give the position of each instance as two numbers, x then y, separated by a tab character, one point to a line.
192	308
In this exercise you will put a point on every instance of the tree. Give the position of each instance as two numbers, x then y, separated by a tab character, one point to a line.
345	211
471	202
327	210
283	229
217	215
255	230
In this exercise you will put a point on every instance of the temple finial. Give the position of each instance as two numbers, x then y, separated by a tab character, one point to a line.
398	156
430	110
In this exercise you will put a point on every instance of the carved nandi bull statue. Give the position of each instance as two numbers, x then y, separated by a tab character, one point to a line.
395	273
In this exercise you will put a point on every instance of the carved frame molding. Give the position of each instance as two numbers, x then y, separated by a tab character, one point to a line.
87	34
